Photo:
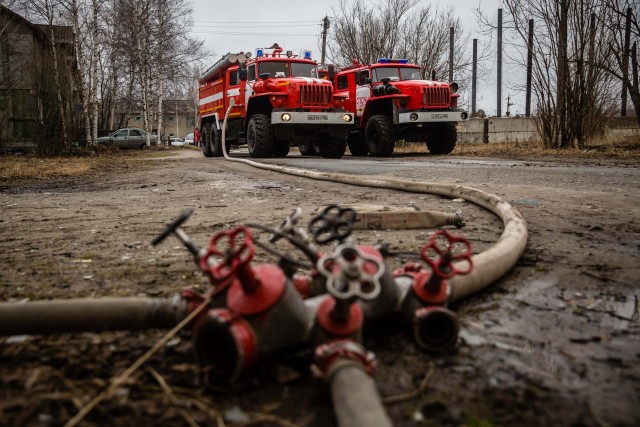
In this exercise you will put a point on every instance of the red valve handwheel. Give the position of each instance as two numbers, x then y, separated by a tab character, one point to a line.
438	264
232	259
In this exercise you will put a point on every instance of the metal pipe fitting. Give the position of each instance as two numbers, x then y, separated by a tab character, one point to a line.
229	342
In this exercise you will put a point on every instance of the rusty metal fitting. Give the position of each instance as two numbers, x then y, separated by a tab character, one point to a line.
436	328
443	264
335	322
431	291
326	354
351	273
225	346
264	294
235	258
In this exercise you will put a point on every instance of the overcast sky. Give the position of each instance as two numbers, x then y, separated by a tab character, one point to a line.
296	25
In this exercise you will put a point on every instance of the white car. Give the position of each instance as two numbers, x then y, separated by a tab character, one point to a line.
189	139
176	142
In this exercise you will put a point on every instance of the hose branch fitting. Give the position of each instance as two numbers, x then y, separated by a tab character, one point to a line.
350	275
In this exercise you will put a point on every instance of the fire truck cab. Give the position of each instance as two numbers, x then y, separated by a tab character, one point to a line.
280	101
391	101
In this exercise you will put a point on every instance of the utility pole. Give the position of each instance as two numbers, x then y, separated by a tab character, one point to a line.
529	69
474	75
499	89
451	40
325	27
625	63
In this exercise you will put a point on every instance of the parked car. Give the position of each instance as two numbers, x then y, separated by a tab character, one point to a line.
189	139
176	142
128	138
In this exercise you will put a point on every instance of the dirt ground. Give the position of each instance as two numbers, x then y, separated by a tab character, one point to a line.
554	342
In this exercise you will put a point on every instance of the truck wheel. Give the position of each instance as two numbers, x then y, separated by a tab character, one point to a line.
281	148
307	149
216	143
379	136
260	139
206	141
333	149
357	145
443	138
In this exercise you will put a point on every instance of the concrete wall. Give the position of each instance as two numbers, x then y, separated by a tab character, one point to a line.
522	129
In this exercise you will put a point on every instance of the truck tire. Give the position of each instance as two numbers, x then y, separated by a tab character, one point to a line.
307	149
379	136
333	149
443	138
260	140
205	142
357	145
281	148
216	143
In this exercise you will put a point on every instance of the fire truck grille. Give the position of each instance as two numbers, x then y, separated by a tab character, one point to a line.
315	95
436	96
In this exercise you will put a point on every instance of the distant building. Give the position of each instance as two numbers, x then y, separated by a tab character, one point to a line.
178	118
28	108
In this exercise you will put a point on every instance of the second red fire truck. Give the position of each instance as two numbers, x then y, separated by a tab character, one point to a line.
391	101
280	102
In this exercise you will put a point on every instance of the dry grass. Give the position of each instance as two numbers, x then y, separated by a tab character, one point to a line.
606	147
33	168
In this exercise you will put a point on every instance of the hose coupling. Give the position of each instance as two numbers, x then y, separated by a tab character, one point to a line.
436	328
225	345
326	354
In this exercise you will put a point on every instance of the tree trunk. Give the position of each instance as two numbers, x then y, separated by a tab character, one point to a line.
56	73
94	73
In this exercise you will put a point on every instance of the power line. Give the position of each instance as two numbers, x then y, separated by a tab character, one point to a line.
257	22
254	34
254	26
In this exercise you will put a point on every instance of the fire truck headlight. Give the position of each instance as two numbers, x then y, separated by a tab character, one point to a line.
286	117
413	117
464	115
453	86
347	118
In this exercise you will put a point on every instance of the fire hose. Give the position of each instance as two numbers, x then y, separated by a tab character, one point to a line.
254	311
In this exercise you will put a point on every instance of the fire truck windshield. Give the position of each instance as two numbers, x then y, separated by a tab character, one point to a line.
275	69
300	69
281	69
396	73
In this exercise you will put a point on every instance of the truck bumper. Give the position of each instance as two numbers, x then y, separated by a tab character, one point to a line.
432	116
309	118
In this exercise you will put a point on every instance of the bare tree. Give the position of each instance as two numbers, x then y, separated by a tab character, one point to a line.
621	21
398	29
573	95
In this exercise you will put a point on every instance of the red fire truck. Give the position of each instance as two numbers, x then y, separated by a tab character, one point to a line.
280	102
391	102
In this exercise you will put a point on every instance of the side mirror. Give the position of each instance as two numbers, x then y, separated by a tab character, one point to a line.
331	69
242	75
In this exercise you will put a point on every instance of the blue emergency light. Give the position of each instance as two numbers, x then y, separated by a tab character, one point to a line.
307	54
392	61
259	53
